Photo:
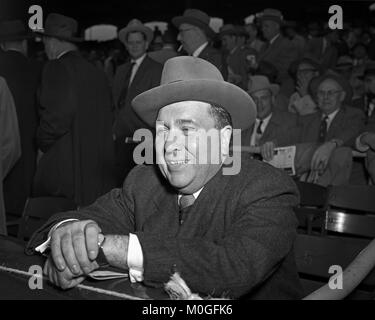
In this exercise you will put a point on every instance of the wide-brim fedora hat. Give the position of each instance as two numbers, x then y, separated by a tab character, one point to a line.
189	78
135	25
13	30
273	15
61	27
196	18
343	83
259	82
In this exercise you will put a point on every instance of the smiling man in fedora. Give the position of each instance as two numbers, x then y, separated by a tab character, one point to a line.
195	35
75	130
229	234
139	74
22	75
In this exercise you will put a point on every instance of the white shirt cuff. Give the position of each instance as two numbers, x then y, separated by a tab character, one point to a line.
135	259
45	245
360	146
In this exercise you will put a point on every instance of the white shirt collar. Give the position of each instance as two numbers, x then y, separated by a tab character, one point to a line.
263	127
199	50
330	116
274	38
62	53
195	194
139	60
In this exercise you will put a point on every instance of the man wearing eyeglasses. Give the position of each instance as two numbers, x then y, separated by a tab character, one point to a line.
328	135
195	34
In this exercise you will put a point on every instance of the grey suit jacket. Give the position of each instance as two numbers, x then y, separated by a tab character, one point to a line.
346	126
237	237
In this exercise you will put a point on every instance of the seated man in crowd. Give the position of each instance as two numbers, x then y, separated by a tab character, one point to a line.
303	70
224	233
272	128
328	135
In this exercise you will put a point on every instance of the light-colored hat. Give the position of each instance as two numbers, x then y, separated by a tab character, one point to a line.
196	18
272	14
257	83
134	26
193	79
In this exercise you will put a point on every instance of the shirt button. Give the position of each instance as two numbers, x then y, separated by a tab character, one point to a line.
181	221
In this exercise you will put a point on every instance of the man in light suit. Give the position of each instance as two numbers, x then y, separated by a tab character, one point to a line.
278	50
223	232
195	35
139	74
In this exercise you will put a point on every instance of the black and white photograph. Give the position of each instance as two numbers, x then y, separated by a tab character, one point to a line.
215	151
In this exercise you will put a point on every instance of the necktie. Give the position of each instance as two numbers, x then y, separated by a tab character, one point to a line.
124	91
323	129
186	201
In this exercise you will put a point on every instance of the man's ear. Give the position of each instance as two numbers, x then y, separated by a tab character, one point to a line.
147	45
225	138
342	95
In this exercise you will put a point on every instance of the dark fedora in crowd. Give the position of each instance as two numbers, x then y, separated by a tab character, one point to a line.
272	14
344	84
61	27
135	25
228	29
14	30
188	78
196	18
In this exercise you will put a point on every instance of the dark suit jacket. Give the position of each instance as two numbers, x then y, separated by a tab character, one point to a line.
75	131
346	126
281	53
281	129
147	77
216	58
237	237
23	76
328	58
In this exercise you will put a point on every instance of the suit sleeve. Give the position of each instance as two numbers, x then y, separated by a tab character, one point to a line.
57	105
113	212
260	236
353	128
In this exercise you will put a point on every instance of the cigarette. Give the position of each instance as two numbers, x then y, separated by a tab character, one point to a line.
179	48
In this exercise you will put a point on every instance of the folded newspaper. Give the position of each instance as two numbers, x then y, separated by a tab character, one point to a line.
107	275
284	159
